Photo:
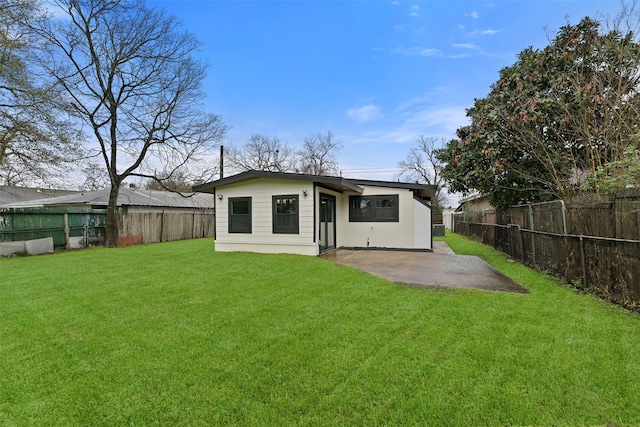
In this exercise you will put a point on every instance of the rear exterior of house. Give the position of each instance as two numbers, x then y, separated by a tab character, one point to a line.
272	212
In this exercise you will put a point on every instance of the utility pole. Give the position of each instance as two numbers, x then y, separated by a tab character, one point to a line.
221	161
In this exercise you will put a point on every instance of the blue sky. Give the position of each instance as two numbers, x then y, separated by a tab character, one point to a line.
378	74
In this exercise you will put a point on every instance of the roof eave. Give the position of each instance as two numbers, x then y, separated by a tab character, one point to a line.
332	182
337	183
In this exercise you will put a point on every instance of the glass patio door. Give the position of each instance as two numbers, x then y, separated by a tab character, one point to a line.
327	222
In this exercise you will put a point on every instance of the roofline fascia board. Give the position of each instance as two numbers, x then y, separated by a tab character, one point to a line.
345	183
408	185
338	182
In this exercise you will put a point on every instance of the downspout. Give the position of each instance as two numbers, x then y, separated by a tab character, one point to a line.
215	214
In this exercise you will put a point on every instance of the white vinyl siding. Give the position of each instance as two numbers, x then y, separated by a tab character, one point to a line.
412	230
262	237
422	227
391	234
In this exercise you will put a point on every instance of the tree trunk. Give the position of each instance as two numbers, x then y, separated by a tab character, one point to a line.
112	229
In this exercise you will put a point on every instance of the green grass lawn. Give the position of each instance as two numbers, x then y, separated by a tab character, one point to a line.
176	334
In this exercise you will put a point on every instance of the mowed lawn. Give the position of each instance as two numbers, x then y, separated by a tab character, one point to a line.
176	334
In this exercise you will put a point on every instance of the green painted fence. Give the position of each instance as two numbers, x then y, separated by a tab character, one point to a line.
69	227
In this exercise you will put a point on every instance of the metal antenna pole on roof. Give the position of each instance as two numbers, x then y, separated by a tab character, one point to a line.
221	161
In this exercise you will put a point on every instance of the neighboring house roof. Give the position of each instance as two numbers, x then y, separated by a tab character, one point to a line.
331	182
9	194
475	200
126	197
471	198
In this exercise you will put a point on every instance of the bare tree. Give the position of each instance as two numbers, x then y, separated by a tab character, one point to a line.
177	182
37	140
421	164
96	177
318	154
262	153
130	75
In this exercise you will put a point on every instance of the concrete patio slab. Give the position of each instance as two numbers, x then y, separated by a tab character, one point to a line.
441	268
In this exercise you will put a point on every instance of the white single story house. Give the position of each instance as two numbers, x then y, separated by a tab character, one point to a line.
275	212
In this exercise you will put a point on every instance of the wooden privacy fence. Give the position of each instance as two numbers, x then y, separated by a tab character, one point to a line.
69	228
81	228
610	266
602	215
152	227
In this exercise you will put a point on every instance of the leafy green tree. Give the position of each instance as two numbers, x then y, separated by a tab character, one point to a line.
617	175
551	120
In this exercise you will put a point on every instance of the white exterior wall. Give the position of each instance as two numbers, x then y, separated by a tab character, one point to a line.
262	238
447	218
412	231
422	227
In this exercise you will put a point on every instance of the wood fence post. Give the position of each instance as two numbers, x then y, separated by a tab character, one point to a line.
521	244
583	263
193	228
533	236
67	242
162	226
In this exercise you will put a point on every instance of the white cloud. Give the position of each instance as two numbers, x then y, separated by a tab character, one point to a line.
474	15
465	46
416	51
374	153
445	119
414	14
365	113
410	51
385	136
416	120
489	32
418	101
